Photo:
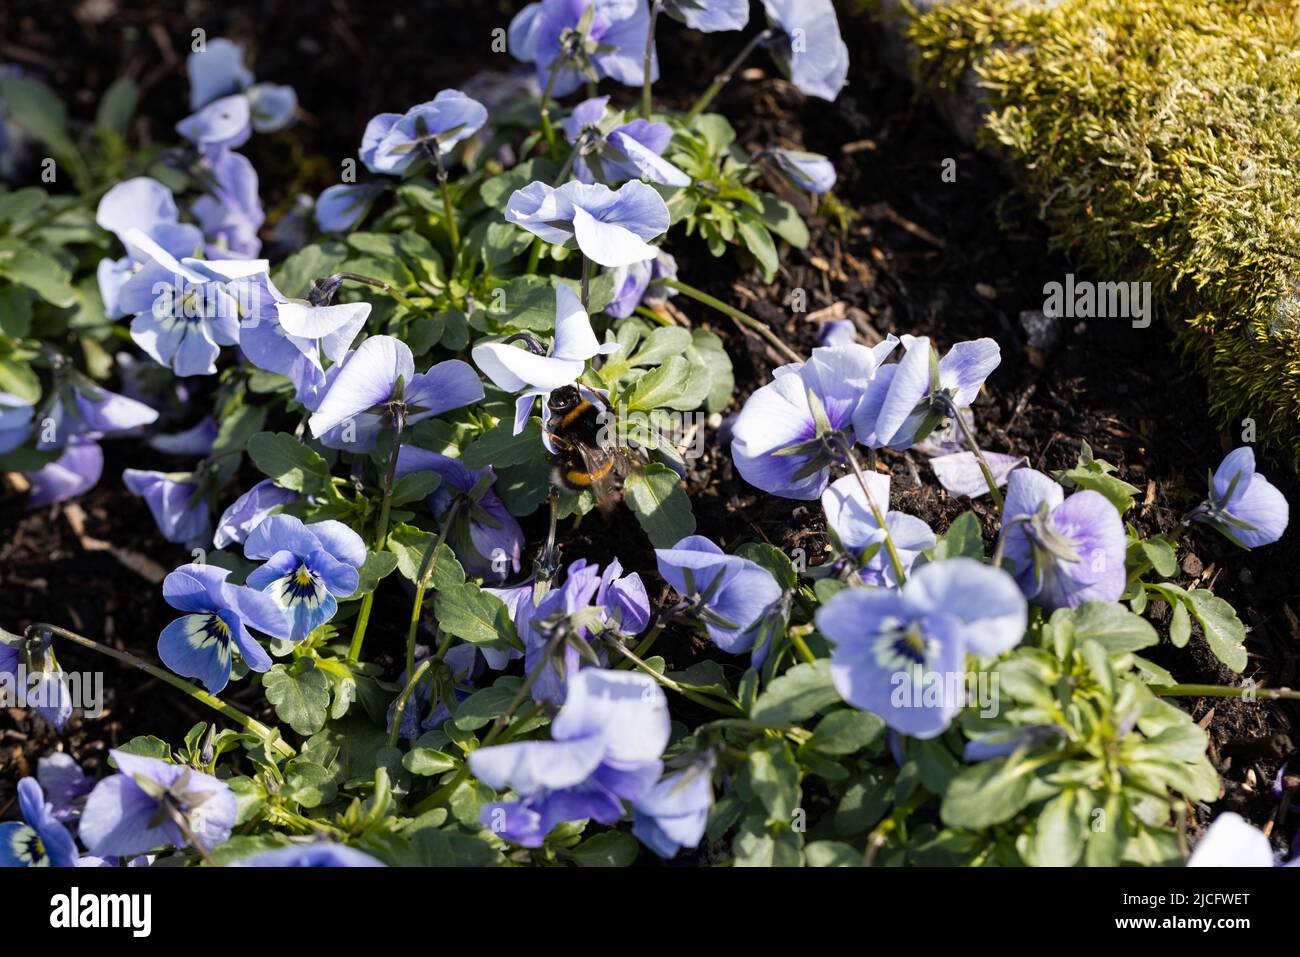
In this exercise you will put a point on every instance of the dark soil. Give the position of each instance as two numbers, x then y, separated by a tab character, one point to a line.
913	254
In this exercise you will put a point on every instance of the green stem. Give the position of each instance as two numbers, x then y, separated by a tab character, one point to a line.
547	129
969	437
801	646
230	712
534	257
399	708
720	707
750	322
381	534
1223	691
876	512
586	281
723	78
646	102
427	564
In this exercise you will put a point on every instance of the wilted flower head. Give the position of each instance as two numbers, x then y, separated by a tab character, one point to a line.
42	841
810	171
1243	506
307	568
151	804
610	227
427	709
485	537
74	473
379	380
612	151
174	499
732	594
907	401
580	40
807	45
781	436
901	655
849	516
341	208
218	615
29	661
64	783
250	510
1065	551
641	283
605	748
673	813
534	375
319	854
394	141
231	211
709	16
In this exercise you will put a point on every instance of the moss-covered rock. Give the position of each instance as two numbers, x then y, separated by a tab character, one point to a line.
1161	140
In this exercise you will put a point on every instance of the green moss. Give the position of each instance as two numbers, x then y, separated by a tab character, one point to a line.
1161	141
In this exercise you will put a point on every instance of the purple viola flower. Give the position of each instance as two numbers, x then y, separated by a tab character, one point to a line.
709	16
837	332
621	604
606	747
15	421
185	310
74	473
250	510
807	45
319	854
641	283
307	568
611	151
369	378
1231	841
42	841
289	336
64	783
907	401
810	171
30	663
341	208
394	141
1244	507
732	595
1064	551
551	35
80	407
217	73
178	509
1007	741
152	804
522	370
218	615
231	211
780	437
195	441
226	123
901	654
147	205
849	516
610	227
485	537
673	813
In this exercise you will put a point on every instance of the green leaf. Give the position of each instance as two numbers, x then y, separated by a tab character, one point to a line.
774	778
470	613
36	108
759	242
300	693
416	486
501	448
480	708
1223	629
758	845
798	694
707	352
964	537
846	732
117	106
784	220
288	462
378	566
832	854
608	849
409	544
865	802
1180	626
654	495
426	762
1112	626
987	793
1161	556
146	746
1061	830
496	191
40	272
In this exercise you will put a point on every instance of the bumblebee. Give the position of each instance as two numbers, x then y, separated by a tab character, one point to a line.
586	454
